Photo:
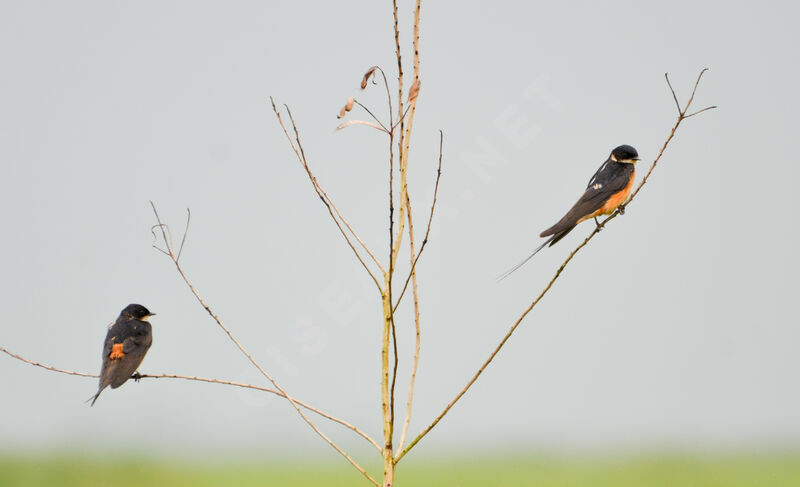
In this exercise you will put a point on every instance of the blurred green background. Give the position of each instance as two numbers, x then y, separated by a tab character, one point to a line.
765	470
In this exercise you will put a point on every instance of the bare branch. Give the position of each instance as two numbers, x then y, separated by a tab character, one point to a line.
681	117
185	232
674	96
402	118
413	276
204	379
394	368
271	391
332	209
430	219
399	62
545	290
388	96
700	111
383	127
48	367
250	357
694	90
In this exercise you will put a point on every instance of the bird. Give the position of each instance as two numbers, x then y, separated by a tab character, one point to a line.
608	190
126	344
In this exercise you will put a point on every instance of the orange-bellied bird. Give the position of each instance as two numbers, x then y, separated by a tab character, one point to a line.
608	189
127	341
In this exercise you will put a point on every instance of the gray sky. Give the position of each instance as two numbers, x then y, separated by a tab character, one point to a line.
677	326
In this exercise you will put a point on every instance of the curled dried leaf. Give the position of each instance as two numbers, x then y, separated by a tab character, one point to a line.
367	76
413	92
347	107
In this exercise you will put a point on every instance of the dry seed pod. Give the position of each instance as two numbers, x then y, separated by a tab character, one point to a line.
367	75
347	107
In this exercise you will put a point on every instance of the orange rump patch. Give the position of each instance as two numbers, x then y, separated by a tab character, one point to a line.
116	351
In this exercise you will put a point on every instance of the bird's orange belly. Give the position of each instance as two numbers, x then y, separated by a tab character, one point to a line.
613	202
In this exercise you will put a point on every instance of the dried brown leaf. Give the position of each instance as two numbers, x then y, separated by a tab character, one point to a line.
347	107
367	76
413	92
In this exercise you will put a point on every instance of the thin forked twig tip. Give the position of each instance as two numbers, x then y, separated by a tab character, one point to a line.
698	112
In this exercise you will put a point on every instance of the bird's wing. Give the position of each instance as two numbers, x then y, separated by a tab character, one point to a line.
600	188
107	347
134	346
137	335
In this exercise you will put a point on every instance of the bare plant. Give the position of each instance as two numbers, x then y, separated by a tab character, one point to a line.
398	131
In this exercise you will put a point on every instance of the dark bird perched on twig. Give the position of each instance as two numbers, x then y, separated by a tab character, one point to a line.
127	341
608	190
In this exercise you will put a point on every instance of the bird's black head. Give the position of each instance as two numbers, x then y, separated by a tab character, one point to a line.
137	312
625	153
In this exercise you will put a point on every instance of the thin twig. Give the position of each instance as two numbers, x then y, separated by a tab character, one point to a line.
383	127
674	96
700	111
694	90
519	320
430	219
394	368
413	276
388	96
387	398
399	63
204	379
185	232
342	422
401	118
406	124
324	196
331	207
48	367
250	357
387	392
